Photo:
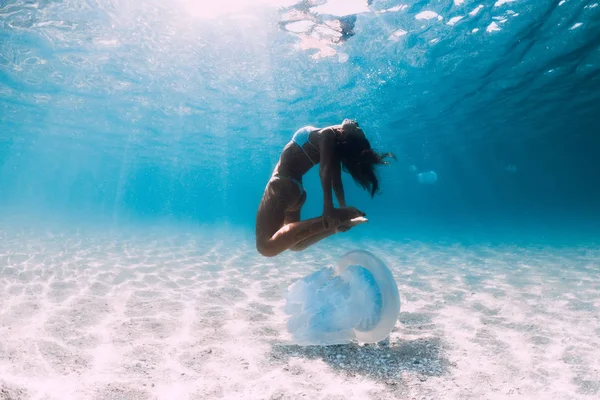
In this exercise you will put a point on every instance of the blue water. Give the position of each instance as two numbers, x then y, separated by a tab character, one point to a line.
136	139
127	111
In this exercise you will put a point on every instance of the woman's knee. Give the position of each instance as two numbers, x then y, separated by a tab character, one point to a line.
266	249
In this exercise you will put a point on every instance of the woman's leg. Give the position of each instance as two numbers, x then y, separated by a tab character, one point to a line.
279	229
273	232
304	244
287	235
291	235
292	217
344	226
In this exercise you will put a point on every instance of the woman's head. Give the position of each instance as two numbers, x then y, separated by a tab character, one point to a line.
357	156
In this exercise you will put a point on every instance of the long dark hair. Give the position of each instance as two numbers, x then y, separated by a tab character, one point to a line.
359	160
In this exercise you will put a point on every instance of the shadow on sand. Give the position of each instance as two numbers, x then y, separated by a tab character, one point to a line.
422	356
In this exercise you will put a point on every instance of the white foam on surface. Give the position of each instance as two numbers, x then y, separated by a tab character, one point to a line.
397	8
397	34
299	26
426	15
493	27
476	10
161	314
217	9
341	8
575	26
452	21
500	3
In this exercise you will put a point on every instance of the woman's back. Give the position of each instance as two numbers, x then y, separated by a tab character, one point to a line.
300	154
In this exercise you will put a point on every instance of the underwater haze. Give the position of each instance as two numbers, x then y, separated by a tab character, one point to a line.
136	140
143	109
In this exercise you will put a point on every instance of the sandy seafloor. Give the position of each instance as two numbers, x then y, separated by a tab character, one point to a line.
165	314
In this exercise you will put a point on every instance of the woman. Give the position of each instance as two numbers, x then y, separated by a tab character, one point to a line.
278	225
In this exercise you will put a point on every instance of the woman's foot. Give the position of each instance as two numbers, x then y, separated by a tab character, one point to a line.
346	225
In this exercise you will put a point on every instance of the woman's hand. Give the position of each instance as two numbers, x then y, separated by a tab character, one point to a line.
331	218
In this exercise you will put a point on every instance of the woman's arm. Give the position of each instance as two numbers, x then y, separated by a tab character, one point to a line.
327	168
338	188
330	173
